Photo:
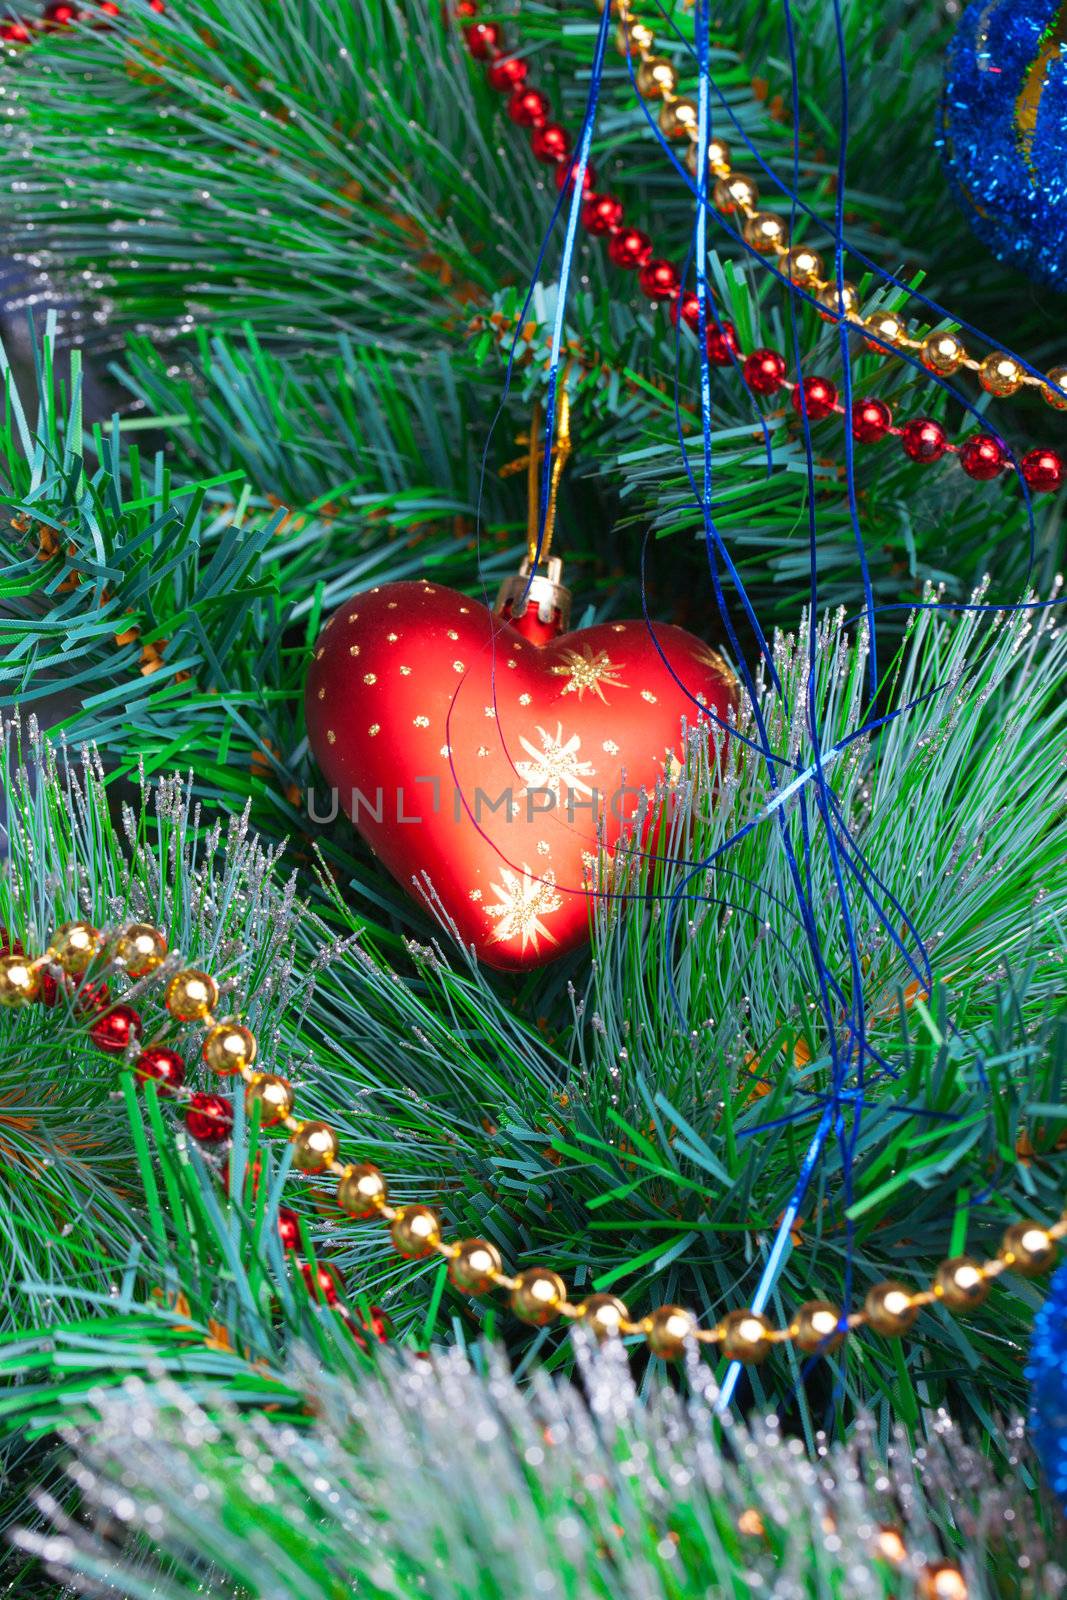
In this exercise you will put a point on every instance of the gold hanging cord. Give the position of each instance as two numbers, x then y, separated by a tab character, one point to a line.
532	462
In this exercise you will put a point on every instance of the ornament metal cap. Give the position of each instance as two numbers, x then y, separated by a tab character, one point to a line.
544	594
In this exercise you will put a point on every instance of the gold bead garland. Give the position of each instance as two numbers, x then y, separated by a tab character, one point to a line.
74	947
141	948
474	1265
999	373
20	981
191	996
537	1295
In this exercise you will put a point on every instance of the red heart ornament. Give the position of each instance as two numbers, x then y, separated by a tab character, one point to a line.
464	752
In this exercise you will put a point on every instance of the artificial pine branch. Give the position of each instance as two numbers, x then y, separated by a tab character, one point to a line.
651	1149
448	1479
377	231
314	225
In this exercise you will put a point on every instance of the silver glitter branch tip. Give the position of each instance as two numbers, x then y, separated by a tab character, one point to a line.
446	1478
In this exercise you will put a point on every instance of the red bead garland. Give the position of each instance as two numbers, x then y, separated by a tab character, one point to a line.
209	1117
326	1279
116	1030
529	108
923	439
508	73
602	213
687	307
1043	470
92	997
871	420
482	39
86	997
288	1228
659	280
550	143
723	348
164	1066
815	396
62	14
565	176
764	371
630	248
982	456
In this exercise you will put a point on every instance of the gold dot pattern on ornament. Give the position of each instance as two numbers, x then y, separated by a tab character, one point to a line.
524	699
457	666
542	847
609	747
422	722
353	649
446	750
452	634
646	694
464	610
322	694
391	606
405	672
370	677
483	750
490	711
510	664
331	737
392	637
476	894
375	728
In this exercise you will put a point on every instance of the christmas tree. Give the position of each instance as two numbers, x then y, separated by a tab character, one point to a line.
522	1202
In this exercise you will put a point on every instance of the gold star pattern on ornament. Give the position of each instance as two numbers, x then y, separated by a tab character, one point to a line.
555	765
713	660
521	904
584	670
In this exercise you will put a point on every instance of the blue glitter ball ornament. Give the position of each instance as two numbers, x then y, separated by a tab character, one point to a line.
1004	130
1047	1373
